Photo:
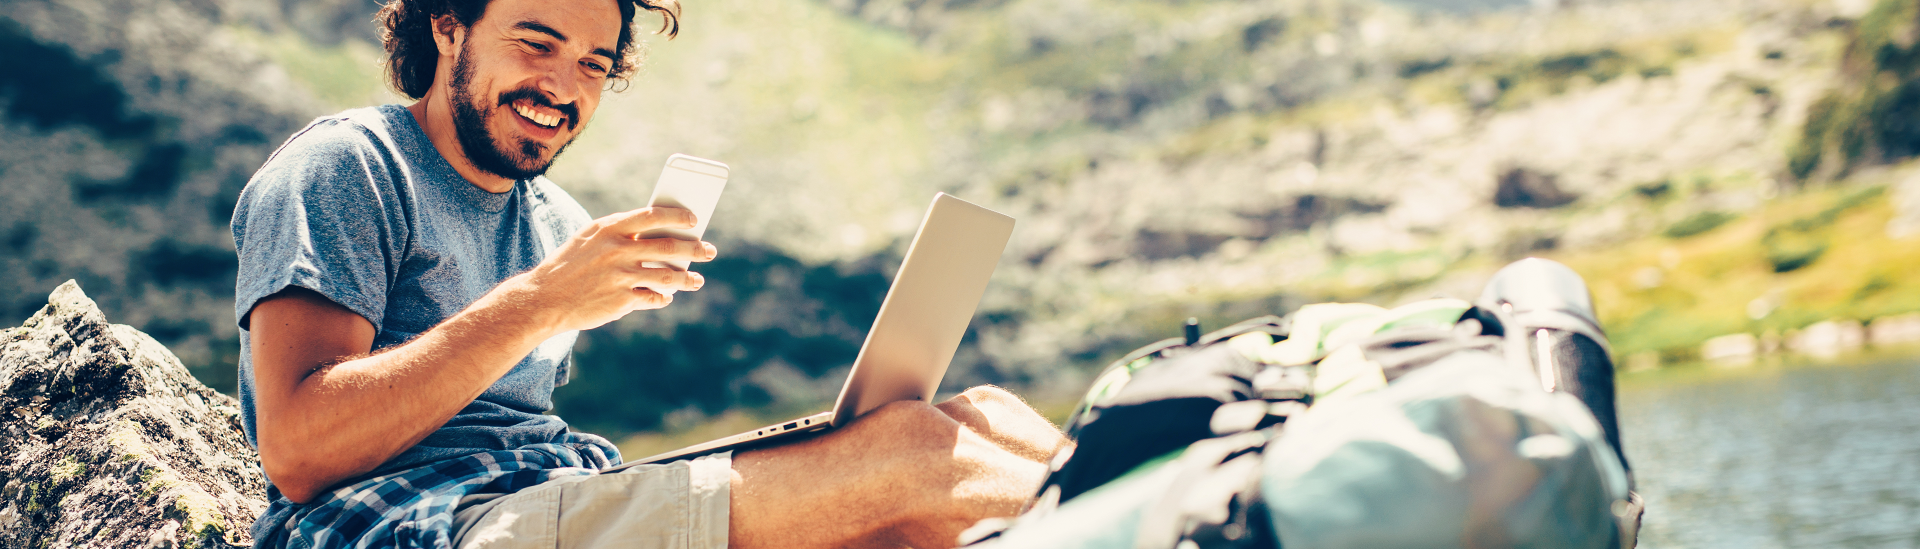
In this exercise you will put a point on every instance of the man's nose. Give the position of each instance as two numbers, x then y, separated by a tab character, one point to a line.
562	83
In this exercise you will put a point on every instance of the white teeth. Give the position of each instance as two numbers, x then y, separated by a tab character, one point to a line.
537	118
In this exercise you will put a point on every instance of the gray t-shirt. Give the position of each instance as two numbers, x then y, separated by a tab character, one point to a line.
361	208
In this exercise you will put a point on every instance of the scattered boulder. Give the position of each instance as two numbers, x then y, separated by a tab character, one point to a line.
1894	330
107	441
1520	187
1731	349
1827	339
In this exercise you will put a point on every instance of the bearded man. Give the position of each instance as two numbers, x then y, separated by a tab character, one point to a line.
411	286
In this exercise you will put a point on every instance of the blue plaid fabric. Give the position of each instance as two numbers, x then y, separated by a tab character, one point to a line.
414	508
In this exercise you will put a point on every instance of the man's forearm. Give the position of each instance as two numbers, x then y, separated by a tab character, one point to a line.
344	419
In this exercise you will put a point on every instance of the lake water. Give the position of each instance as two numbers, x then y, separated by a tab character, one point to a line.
1789	456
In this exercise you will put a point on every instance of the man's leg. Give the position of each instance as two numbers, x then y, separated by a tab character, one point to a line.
907	474
679	505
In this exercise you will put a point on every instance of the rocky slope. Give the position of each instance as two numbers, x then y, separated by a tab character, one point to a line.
108	442
129	127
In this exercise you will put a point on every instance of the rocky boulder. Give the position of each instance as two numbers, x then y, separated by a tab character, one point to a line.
107	441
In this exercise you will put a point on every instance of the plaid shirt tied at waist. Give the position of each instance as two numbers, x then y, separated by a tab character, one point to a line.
414	508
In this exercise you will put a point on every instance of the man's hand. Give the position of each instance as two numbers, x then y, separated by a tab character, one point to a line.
597	277
905	475
328	412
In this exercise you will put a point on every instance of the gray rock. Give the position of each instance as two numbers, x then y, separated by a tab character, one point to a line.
107	441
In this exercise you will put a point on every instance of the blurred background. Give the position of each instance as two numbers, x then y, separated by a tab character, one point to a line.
1734	178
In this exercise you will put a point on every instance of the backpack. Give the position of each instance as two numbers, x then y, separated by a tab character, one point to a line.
1349	425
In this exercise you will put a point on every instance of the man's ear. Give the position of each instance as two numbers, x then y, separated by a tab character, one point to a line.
448	33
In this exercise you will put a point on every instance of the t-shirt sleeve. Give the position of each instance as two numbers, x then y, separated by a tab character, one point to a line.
322	214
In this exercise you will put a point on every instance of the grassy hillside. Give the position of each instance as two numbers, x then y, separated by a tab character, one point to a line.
1791	262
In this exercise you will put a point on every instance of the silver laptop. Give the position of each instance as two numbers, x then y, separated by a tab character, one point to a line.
919	327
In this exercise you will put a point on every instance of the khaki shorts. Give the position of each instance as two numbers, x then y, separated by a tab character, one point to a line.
679	505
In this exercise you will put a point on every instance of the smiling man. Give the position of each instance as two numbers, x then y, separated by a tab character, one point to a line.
410	289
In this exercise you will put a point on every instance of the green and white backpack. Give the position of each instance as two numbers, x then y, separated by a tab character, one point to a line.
1347	425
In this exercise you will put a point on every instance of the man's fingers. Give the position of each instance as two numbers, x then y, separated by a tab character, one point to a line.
965	411
635	221
649	299
673	249
663	278
1009	422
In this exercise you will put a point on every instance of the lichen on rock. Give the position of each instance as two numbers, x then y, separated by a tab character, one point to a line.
107	441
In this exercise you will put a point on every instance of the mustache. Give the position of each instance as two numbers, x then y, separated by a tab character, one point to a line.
534	96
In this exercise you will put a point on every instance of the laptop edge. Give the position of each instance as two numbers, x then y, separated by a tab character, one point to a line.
918	328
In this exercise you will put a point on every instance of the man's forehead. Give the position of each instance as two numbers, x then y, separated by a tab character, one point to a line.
595	23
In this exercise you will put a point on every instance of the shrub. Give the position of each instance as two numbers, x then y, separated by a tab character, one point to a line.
1699	223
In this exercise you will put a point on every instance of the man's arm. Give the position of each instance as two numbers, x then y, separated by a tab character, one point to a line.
326	411
905	475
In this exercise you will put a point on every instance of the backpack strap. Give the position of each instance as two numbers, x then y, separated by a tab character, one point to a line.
1278	327
1215	502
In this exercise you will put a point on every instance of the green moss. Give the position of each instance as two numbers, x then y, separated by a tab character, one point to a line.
126	440
31	492
153	482
67	468
199	515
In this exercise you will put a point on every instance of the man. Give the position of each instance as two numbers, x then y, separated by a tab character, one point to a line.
410	287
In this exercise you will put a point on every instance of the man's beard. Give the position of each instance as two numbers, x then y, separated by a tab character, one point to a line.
478	142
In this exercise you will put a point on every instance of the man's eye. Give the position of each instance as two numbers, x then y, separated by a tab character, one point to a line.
539	47
595	68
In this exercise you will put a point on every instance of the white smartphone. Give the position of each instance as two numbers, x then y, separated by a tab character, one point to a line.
691	183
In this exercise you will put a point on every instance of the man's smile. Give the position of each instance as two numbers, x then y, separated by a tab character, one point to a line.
534	113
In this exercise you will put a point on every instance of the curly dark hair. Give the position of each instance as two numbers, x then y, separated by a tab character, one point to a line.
406	30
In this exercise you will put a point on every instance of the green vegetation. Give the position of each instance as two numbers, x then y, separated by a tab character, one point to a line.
344	75
199	515
1871	116
1655	190
32	494
1813	256
67	468
1506	82
1794	244
1787	253
1698	223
